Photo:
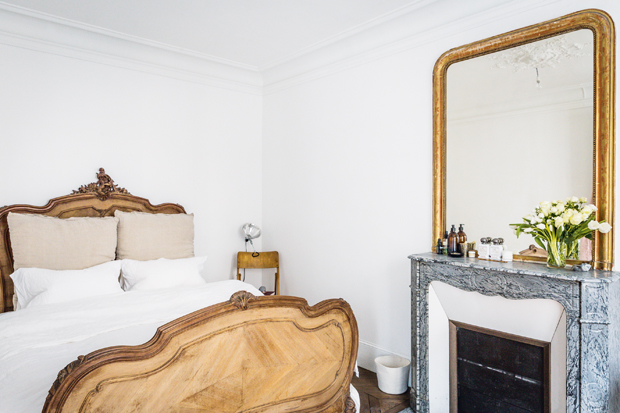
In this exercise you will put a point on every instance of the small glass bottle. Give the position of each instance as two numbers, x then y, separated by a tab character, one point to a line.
445	243
462	235
453	243
439	247
483	248
495	250
462	240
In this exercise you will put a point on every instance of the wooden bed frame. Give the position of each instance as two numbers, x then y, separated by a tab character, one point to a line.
249	354
97	199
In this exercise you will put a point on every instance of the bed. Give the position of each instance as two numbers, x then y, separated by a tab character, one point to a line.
195	347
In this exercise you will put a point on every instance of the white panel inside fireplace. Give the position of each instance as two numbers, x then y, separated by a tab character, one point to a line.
540	319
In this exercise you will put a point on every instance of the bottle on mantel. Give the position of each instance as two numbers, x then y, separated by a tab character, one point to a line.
445	243
453	243
462	239
462	235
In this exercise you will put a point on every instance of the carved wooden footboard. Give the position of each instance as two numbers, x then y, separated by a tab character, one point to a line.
267	354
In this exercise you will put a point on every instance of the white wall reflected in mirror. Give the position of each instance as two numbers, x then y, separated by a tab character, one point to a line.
519	131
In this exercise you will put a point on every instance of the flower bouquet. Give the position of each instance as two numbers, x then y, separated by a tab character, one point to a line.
559	225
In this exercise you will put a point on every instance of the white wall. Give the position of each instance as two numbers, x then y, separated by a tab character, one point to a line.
168	140
347	172
346	180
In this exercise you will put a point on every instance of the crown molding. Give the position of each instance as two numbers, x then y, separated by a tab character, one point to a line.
32	30
350	32
411	26
112	33
403	32
545	100
506	112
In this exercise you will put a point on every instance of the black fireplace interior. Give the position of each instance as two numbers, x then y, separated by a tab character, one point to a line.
496	374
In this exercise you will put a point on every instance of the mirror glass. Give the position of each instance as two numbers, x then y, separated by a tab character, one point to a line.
519	130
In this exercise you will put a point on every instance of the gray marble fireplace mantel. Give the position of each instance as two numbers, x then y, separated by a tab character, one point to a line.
591	301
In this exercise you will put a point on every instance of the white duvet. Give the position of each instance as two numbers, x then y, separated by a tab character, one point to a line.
36	343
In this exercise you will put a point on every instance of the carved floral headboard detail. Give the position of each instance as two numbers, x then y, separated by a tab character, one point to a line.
97	199
102	188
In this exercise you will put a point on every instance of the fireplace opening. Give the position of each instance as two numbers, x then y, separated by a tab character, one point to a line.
492	371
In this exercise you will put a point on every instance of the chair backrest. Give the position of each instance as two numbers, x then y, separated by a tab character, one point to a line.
269	259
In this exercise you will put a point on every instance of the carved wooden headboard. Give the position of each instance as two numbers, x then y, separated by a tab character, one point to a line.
97	199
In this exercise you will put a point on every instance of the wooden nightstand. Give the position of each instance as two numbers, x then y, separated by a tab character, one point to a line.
270	259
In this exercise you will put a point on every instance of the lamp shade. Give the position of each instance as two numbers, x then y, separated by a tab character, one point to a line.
251	231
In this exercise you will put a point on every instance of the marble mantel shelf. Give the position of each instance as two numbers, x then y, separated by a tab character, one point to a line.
591	300
518	267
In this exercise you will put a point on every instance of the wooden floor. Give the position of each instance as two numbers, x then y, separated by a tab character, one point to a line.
374	400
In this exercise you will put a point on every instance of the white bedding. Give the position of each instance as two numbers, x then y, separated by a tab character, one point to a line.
36	343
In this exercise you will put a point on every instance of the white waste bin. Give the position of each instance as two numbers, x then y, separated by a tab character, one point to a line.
392	374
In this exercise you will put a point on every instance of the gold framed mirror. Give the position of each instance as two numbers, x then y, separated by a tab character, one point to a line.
596	153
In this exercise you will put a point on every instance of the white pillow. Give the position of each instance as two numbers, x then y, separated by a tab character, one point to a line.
143	236
37	286
162	273
39	241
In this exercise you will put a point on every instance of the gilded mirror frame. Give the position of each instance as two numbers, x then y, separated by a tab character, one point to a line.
602	27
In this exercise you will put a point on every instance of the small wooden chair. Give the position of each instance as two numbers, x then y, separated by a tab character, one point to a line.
270	259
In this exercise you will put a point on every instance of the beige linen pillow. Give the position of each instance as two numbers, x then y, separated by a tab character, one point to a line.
39	241
143	236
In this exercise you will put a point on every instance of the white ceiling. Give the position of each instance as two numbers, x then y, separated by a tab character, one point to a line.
254	33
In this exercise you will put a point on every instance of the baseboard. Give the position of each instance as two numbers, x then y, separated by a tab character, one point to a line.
368	352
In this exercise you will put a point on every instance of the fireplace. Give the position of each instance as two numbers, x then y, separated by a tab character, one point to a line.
492	371
584	358
540	322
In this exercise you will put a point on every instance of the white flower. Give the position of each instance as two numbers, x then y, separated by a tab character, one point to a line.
593	225
554	209
545	204
592	207
576	219
559	221
587	210
583	199
604	228
540	226
574	199
560	207
541	215
527	230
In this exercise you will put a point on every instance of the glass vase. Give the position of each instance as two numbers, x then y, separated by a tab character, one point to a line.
572	250
556	254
